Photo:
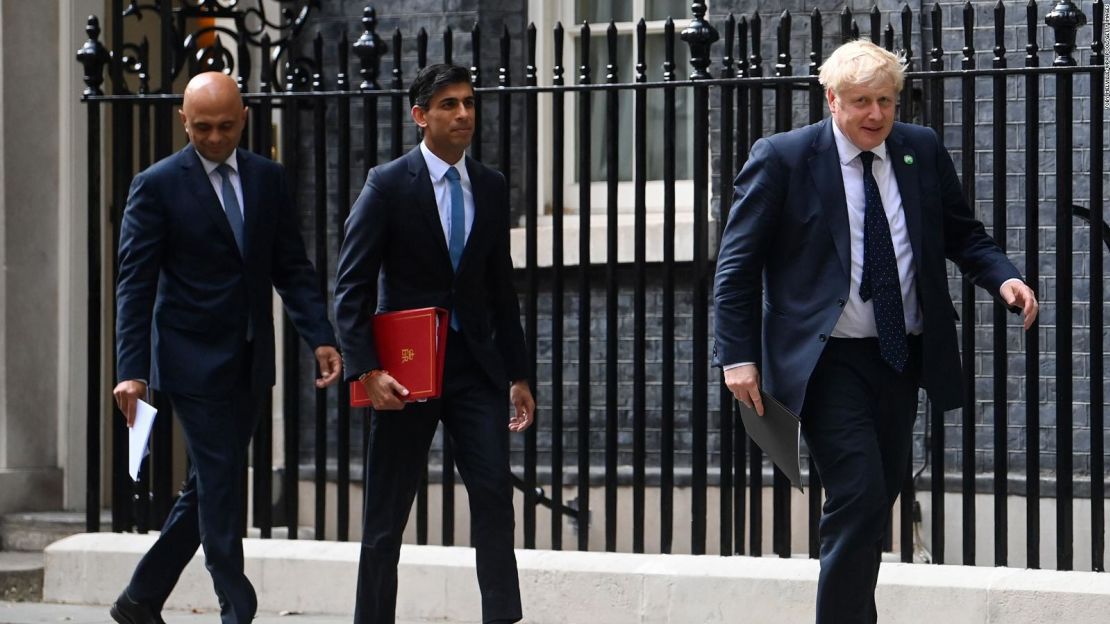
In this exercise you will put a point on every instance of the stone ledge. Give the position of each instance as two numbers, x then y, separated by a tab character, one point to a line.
20	576
438	583
35	530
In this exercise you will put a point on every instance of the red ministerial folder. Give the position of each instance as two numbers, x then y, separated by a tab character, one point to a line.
411	346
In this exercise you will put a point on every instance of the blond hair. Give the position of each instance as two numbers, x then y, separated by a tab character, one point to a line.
859	63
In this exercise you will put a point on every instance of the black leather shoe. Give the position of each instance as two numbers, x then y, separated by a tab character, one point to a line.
126	611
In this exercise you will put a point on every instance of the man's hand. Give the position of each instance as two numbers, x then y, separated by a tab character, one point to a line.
524	406
1019	295
384	391
743	381
327	358
127	393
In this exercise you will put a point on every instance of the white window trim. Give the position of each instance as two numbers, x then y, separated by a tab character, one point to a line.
545	15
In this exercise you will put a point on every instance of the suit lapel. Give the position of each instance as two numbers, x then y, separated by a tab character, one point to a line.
425	205
824	166
197	181
481	209
249	179
902	158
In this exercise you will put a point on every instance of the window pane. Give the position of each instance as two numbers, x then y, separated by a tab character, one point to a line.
662	9
605	11
684	107
599	59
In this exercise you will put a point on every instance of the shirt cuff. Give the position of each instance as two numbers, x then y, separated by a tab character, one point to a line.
1012	279
737	365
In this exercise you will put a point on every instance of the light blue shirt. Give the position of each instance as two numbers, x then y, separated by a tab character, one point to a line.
437	171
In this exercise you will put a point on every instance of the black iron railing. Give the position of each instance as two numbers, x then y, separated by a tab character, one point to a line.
629	405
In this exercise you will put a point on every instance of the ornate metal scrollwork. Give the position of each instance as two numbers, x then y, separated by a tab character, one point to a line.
185	46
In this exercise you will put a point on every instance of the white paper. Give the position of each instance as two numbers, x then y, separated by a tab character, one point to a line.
138	436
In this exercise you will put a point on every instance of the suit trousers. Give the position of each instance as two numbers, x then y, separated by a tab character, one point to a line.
475	416
209	510
858	420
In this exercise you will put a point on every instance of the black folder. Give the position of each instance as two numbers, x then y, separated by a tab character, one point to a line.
778	433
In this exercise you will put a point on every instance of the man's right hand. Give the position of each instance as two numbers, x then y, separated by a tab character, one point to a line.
743	382
127	393
384	391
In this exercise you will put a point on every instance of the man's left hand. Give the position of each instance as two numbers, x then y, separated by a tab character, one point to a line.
1018	294
524	406
327	358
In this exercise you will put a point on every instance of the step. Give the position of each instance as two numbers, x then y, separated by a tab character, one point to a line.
282	532
437	583
21	576
33	531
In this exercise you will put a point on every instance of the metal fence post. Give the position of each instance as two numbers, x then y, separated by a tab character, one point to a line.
700	35
93	56
1064	19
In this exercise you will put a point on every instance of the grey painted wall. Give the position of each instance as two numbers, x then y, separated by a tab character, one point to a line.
29	475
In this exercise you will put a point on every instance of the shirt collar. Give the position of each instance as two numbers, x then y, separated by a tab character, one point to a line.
210	165
848	150
437	167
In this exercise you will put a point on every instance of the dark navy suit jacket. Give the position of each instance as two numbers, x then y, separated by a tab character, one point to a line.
394	257
787	234
185	293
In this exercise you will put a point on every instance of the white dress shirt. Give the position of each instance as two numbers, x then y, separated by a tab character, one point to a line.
437	171
857	320
218	182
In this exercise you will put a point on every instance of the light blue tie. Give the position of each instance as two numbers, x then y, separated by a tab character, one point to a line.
231	205
457	240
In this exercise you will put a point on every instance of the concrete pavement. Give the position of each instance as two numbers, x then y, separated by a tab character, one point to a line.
45	613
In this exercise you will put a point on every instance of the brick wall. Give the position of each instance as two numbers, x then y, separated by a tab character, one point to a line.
461	15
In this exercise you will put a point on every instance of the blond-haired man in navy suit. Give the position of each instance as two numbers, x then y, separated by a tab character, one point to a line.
845	225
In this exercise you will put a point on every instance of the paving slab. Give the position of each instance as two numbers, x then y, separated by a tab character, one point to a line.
46	613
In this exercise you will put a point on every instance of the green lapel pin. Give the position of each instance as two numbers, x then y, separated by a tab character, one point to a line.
907	159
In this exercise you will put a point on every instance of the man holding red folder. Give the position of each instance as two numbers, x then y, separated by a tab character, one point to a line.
431	229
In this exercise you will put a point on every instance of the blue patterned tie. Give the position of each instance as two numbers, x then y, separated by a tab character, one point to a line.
457	240
231	205
880	273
